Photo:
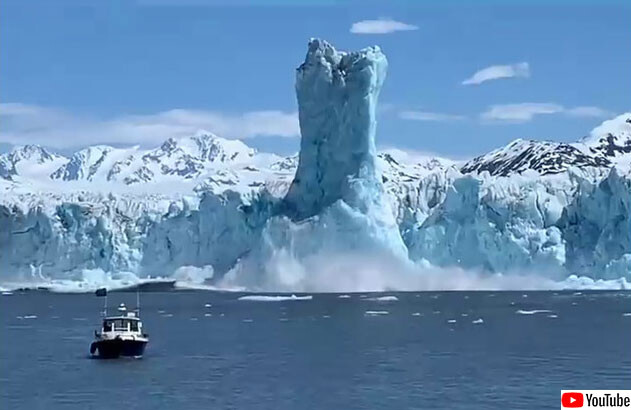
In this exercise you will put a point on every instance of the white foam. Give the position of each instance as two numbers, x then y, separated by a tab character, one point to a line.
274	298
376	312
417	314
344	296
7	293
478	321
553	316
532	312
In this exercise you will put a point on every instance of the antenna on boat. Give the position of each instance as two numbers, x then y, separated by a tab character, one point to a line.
102	292
138	301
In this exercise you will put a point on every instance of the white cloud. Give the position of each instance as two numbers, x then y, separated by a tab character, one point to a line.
496	72
380	26
429	116
589	111
23	123
524	112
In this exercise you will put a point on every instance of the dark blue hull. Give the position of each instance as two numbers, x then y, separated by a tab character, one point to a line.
111	349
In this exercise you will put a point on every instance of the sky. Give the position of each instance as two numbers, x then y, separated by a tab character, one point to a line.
464	77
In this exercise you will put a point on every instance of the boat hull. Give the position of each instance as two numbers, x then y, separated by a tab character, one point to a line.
114	348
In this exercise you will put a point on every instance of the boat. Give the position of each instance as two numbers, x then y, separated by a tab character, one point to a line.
121	335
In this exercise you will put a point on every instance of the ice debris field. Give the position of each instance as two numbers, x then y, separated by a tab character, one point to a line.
204	211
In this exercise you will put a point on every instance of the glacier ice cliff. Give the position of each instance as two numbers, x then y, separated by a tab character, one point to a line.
338	216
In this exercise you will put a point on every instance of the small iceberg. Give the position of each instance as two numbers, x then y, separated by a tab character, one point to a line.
478	321
451	321
626	314
376	312
532	312
274	298
384	299
207	305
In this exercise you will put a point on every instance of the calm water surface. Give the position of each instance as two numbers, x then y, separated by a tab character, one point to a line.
420	351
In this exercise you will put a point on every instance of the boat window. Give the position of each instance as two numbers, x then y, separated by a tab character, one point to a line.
107	326
120	324
134	326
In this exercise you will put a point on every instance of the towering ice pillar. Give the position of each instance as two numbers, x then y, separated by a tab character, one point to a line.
335	216
337	100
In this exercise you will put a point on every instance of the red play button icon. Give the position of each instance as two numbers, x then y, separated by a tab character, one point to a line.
572	400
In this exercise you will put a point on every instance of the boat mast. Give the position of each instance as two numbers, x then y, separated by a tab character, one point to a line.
137	302
105	306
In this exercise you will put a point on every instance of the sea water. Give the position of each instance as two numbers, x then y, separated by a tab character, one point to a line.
213	350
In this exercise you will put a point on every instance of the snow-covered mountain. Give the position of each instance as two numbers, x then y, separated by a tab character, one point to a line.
608	145
307	222
185	158
29	161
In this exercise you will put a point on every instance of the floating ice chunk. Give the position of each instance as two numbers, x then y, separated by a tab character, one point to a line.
376	312
208	314
344	296
207	305
532	312
7	293
478	321
553	316
627	314
384	299
30	317
274	298
417	314
451	321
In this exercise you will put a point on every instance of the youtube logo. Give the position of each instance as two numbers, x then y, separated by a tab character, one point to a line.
572	400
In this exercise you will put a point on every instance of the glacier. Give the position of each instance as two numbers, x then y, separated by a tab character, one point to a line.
339	216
